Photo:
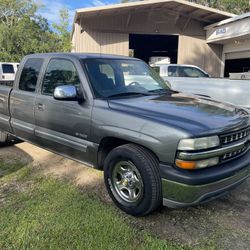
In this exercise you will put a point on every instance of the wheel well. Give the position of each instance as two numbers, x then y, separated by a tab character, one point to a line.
109	143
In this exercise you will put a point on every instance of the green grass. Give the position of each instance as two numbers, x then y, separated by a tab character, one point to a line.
45	213
7	169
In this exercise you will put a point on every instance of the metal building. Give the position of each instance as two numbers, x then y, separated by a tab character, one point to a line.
174	28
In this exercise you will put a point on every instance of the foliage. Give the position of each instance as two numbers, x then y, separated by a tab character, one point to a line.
236	7
233	6
63	31
23	31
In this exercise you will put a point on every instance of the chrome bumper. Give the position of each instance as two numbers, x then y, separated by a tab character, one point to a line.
180	195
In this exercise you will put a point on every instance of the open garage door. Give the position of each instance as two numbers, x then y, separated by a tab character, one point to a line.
237	62
146	46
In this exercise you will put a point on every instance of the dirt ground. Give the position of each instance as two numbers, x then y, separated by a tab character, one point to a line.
220	224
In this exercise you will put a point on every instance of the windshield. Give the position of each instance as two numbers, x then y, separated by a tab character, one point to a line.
111	77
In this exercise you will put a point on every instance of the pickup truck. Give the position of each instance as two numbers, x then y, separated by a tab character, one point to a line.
193	80
155	145
178	70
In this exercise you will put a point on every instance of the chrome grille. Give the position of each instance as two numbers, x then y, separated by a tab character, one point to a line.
233	154
235	136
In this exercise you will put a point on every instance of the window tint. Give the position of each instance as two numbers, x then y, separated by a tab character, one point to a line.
59	72
30	74
8	69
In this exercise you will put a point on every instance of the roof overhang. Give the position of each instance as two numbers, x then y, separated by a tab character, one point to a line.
195	11
236	28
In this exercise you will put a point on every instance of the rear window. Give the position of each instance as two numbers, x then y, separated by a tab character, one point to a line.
8	69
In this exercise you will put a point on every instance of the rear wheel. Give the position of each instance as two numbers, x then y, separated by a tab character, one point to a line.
132	179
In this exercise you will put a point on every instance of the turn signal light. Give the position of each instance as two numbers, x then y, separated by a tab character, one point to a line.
185	164
197	164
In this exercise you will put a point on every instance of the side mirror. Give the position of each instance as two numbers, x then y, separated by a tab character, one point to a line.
66	93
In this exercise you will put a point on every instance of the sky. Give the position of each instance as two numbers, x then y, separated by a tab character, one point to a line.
50	8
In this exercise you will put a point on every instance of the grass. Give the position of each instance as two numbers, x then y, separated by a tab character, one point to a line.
45	213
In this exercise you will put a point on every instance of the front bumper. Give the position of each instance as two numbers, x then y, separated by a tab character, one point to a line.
184	188
180	195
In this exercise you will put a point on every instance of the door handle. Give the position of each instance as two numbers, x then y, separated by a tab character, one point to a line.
40	107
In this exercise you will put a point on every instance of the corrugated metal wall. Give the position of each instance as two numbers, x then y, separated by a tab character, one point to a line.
196	51
100	42
192	49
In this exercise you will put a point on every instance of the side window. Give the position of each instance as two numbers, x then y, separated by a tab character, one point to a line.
29	75
59	72
192	72
172	71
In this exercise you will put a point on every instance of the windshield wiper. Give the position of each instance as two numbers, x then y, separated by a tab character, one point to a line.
128	94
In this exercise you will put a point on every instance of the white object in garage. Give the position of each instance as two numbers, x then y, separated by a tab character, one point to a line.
240	76
8	71
159	59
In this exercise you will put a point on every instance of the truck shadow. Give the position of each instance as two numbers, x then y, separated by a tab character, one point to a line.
13	159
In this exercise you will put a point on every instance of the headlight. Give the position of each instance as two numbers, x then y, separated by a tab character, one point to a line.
199	143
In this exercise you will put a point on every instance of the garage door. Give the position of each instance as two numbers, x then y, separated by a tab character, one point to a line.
238	55
237	66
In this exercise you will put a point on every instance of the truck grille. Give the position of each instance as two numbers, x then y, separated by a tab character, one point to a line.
234	154
235	136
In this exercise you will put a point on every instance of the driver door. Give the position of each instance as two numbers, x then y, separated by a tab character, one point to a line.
62	126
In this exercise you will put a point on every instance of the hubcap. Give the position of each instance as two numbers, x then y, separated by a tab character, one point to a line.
127	181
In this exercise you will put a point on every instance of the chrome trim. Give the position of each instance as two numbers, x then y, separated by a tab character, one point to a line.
235	136
65	92
212	153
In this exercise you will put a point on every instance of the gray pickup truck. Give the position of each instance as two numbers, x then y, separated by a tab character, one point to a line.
155	145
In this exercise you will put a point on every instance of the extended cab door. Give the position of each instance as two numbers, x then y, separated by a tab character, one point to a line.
22	100
63	126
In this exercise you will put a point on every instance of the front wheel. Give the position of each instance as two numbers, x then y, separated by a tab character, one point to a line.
131	175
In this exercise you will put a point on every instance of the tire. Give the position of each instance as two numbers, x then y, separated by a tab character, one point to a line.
131	175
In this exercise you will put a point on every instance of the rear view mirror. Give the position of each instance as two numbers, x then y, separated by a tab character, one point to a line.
66	93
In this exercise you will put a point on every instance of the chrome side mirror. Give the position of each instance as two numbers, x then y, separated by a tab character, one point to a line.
66	92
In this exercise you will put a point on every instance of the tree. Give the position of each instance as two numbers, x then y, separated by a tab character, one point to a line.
233	6
62	30
24	32
236	7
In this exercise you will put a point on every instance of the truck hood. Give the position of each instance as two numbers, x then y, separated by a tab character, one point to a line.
193	114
